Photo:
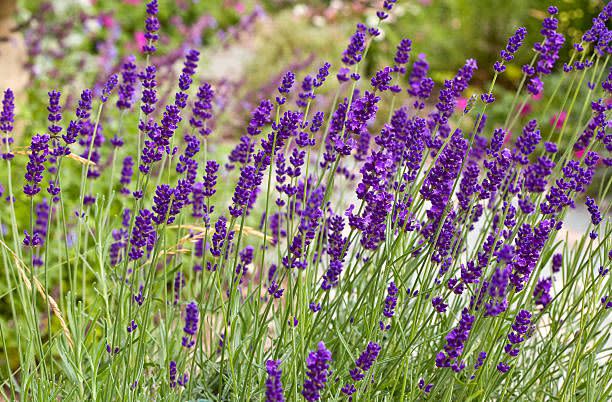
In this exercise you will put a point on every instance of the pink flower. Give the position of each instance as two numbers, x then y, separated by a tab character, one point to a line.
526	109
538	96
462	103
508	137
107	21
579	154
132	2
239	7
558	119
140	39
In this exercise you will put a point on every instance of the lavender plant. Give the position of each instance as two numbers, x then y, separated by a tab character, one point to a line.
335	253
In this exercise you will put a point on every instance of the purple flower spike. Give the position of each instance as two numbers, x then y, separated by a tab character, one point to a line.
151	28
128	86
192	315
317	370
110	85
274	387
365	361
39	149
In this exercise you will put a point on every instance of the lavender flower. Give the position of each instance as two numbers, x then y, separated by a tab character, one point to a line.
522	323
593	210
317	370
557	262
192	316
202	109
402	55
529	244
365	361
354	52
109	86
321	75
126	174
390	300
541	292
274	387
514	43
172	374
219	237
149	93
127	87
143	234
179	284
151	28
455	341
39	149
285	87
336	250
7	119
553	42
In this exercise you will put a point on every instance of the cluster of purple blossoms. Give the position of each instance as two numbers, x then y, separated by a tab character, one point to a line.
548	52
202	108
497	289
575	179
246	258
219	239
58	150
191	63
205	189
599	34
172	371
437	186
109	86
402	55
275	290
317	370
336	245
418	75
363	363
285	87
390	304
507	54
455	341
541	292
192	315
149	92
557	262
179	284
529	244
274	387
425	387
536	174
151	28
310	219
143	234
354	52
482	356
39	149
387	6
126	174
527	142
82	112
520	327
7	119
593	210
127	88
447	101
132	326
